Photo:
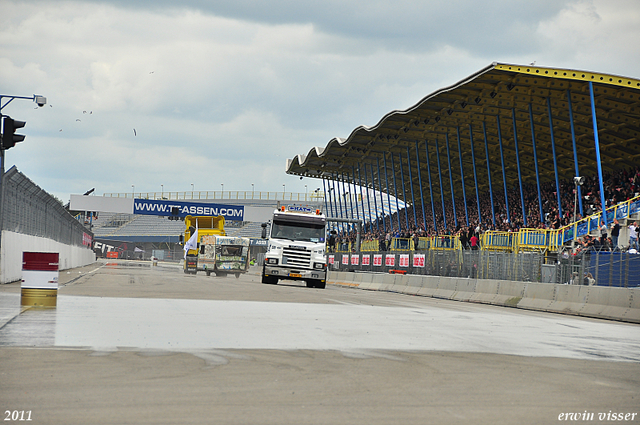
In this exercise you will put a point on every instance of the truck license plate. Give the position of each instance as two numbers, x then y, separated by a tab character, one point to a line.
295	275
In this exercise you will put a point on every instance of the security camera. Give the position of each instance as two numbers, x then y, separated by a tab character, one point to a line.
41	100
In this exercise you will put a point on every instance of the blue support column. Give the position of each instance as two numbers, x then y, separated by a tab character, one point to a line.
404	192
335	202
535	160
504	174
424	217
386	182
366	186
555	161
395	191
326	204
364	214
375	201
339	196
453	198
486	151
433	211
384	224
575	150
515	139
464	191
475	174
353	174
599	163
413	199
350	201
444	212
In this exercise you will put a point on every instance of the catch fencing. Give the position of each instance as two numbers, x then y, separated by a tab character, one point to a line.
29	210
476	264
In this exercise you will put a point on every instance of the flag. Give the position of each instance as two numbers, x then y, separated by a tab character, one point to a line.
192	243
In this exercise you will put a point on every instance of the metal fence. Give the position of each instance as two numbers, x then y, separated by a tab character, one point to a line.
616	268
525	267
29	210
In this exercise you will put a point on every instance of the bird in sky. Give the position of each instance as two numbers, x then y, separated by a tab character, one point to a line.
134	132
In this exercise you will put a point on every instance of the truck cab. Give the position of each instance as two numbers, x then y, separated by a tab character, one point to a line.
297	246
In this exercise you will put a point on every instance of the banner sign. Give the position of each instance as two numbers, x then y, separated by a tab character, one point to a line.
183	209
345	259
390	260
355	259
331	260
418	260
377	260
365	259
404	260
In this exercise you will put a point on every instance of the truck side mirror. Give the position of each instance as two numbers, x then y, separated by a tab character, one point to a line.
264	230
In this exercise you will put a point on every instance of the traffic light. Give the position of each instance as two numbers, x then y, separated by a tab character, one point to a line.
9	138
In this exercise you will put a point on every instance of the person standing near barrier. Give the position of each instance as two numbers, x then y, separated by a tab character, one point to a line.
474	242
603	232
633	236
615	233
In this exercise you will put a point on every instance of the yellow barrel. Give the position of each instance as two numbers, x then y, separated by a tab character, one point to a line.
39	297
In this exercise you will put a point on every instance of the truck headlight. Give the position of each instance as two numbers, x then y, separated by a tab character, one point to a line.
272	261
318	266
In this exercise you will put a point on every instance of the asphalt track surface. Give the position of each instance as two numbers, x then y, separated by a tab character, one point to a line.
130	343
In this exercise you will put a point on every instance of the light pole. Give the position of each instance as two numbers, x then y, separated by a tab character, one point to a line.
41	101
161	191
578	182
283	190
133	190
305	192
192	190
252	190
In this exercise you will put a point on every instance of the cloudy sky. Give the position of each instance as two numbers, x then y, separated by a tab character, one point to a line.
160	94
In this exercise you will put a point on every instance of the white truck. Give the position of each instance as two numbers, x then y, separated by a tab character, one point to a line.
297	246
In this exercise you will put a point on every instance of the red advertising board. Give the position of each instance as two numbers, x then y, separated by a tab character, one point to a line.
403	260
418	260
355	259
390	260
366	258
377	260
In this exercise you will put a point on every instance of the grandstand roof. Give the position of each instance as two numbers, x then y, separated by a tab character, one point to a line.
496	92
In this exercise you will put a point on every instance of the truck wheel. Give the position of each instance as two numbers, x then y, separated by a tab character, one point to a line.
269	280
237	275
208	273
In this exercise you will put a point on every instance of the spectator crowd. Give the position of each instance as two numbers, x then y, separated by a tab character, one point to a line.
409	223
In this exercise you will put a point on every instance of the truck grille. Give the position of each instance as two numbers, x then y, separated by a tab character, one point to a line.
297	257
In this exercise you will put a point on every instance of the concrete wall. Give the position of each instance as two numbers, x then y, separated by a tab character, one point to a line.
13	244
593	301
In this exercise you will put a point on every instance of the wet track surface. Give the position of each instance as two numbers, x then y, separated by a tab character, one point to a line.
317	320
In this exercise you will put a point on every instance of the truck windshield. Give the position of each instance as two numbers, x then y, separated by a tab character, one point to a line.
298	231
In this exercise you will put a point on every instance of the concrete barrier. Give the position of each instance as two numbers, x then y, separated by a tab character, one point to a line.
593	301
465	288
446	288
537	296
486	291
429	286
509	293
